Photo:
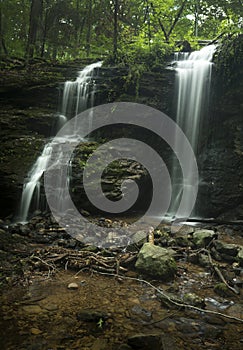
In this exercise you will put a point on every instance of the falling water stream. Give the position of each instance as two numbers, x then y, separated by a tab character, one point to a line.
193	78
77	97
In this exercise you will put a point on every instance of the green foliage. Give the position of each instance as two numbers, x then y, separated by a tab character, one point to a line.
229	58
69	29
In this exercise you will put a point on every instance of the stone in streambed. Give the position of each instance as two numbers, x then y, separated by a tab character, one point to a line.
240	256
194	300
202	238
91	315
225	248
73	286
156	261
35	331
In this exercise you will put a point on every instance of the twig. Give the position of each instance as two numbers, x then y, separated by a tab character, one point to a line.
216	269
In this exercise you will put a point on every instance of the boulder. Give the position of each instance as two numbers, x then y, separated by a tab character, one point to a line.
201	238
156	261
225	248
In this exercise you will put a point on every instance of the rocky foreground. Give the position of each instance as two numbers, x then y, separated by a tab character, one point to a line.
180	290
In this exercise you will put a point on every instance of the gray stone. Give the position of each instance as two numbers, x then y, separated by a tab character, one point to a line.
201	238
156	261
140	237
225	248
73	286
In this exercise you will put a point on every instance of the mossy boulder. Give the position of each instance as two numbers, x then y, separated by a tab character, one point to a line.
156	261
201	238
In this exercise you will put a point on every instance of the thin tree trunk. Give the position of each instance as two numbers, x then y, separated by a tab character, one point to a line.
3	47
160	23
43	44
178	16
196	17
35	15
115	36
89	23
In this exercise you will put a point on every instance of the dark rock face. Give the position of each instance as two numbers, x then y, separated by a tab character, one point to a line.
30	101
221	156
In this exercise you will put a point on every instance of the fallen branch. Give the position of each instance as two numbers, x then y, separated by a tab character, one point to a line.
178	304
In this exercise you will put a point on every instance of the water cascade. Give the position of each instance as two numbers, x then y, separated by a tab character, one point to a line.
77	97
193	78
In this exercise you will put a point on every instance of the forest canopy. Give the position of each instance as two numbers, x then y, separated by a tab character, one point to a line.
64	29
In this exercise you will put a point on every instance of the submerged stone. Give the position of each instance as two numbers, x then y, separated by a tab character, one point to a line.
156	261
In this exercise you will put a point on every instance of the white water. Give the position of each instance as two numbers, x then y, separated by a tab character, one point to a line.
77	97
193	78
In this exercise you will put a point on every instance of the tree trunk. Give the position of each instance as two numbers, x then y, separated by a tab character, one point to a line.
44	29
3	48
35	15
196	17
115	34
89	24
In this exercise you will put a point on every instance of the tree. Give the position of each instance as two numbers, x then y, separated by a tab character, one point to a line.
89	25
115	32
3	48
168	28
35	20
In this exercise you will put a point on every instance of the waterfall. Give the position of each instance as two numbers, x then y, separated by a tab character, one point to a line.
77	97
193	78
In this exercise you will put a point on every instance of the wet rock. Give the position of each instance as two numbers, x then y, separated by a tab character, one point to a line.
73	286
124	347
2	232
32	309
201	238
240	257
91	316
203	260
194	300
156	261
222	290
225	248
216	320
24	230
145	342
35	331
182	241
100	344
